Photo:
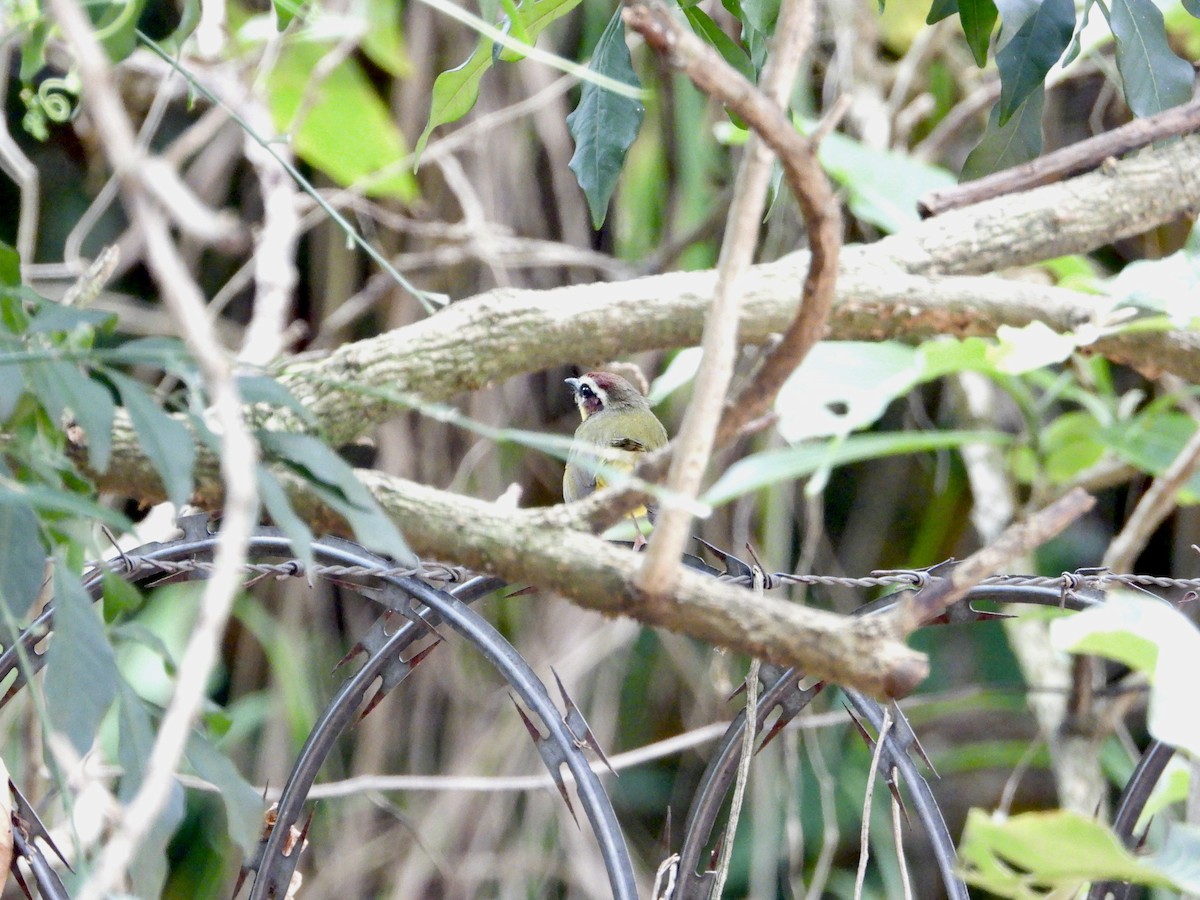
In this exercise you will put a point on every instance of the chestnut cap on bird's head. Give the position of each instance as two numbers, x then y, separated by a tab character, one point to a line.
598	391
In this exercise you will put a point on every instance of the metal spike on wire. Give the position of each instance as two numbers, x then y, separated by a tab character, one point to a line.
551	755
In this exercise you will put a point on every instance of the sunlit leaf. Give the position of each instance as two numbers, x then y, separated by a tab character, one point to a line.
882	186
383	42
771	467
604	124
81	671
1024	61
346	131
1150	636
1155	78
1058	849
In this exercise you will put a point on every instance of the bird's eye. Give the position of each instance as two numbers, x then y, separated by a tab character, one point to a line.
585	391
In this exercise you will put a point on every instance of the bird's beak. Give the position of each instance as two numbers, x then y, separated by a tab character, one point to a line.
574	383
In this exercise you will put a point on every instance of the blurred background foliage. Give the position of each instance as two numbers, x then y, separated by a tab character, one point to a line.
862	471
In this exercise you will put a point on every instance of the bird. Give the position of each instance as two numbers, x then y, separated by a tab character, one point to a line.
617	430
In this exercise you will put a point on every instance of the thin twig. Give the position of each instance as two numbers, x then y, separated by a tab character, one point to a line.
1070	160
864	851
743	770
1016	541
898	837
239	453
763	111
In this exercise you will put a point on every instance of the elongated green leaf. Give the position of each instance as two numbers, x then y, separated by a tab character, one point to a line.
1155	78
166	441
62	388
1018	140
334	481
1037	45
275	501
941	9
22	554
1055	851
243	805
771	467
455	92
12	387
704	26
134	741
604	125
978	19
264	389
348	131
384	41
81	670
10	266
1151	442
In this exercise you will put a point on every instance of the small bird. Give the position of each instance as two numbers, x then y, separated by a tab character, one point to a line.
617	419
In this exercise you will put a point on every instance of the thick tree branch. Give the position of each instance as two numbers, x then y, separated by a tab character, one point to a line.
532	546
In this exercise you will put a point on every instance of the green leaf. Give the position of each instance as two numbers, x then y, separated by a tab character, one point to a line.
704	26
54	317
762	14
12	387
116	26
243	804
134	740
604	125
22	554
1193	7
119	595
166	441
285	11
1046	851
760	470
843	386
81	670
882	186
334	481
1018	140
384	41
978	19
1151	442
275	501
455	92
941	9
10	266
1033	50
1155	78
347	131
1151	636
1070	444
62	388
264	389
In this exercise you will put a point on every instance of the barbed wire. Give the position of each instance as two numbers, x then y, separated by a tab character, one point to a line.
442	573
